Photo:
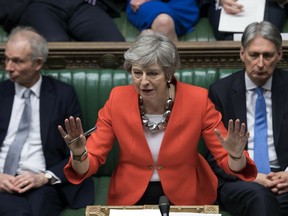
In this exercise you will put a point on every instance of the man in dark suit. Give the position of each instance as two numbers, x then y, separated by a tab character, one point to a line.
235	96
66	20
38	186
11	11
61	20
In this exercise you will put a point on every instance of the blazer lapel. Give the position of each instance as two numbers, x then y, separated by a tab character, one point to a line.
7	97
239	97
47	98
278	98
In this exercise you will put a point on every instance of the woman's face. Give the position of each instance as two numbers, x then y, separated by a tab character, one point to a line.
150	82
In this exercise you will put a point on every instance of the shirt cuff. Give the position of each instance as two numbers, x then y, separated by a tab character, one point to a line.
55	179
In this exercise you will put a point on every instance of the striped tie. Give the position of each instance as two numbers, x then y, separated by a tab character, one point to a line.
92	2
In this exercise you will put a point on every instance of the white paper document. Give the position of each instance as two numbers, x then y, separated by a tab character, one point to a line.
253	12
152	212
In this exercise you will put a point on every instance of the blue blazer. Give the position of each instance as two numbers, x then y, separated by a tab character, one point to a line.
57	102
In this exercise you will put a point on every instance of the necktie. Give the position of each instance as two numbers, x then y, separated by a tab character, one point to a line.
261	157
13	155
92	2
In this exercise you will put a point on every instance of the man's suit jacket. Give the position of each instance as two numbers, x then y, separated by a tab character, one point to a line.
185	176
57	102
11	11
229	97
204	2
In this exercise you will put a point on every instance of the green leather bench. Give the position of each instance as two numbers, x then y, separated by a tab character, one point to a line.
93	88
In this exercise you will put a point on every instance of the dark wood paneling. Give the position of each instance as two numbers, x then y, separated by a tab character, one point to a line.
212	54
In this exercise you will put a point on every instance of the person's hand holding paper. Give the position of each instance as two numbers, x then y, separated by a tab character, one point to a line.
233	21
231	6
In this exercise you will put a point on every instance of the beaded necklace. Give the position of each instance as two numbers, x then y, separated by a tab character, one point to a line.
152	126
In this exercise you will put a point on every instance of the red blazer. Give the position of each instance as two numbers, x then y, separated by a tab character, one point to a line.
186	177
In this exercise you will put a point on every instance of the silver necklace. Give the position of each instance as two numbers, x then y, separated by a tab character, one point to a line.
152	126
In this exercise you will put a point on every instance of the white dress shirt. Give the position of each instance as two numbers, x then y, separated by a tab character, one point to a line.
251	96
32	157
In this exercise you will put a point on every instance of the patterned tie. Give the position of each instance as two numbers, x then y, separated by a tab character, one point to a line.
13	155
92	2
261	157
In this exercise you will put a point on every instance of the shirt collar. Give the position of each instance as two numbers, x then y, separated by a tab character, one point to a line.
251	85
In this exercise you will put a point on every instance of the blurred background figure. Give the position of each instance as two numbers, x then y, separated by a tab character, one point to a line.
77	20
275	12
171	17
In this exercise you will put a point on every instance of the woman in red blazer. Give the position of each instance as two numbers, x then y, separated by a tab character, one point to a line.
158	122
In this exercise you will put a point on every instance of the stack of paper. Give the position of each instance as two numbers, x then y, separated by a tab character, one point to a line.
152	212
253	12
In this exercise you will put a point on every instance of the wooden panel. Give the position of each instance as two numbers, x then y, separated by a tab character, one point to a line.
211	54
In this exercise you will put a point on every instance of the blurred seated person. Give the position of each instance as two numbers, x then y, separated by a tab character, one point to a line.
158	122
32	152
275	12
10	13
66	20
171	17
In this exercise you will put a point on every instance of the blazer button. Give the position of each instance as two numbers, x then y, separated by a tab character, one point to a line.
150	167
160	167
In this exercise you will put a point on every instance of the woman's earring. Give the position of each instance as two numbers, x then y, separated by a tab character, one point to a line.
168	83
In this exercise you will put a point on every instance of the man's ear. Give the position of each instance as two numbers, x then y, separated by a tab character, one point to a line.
38	63
241	53
280	55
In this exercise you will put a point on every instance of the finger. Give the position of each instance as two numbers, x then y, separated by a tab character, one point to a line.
282	185
67	125
25	188
242	130
62	132
233	8
72	124
79	125
230	127
237	127
219	136
247	135
8	186
283	191
21	184
275	190
26	183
